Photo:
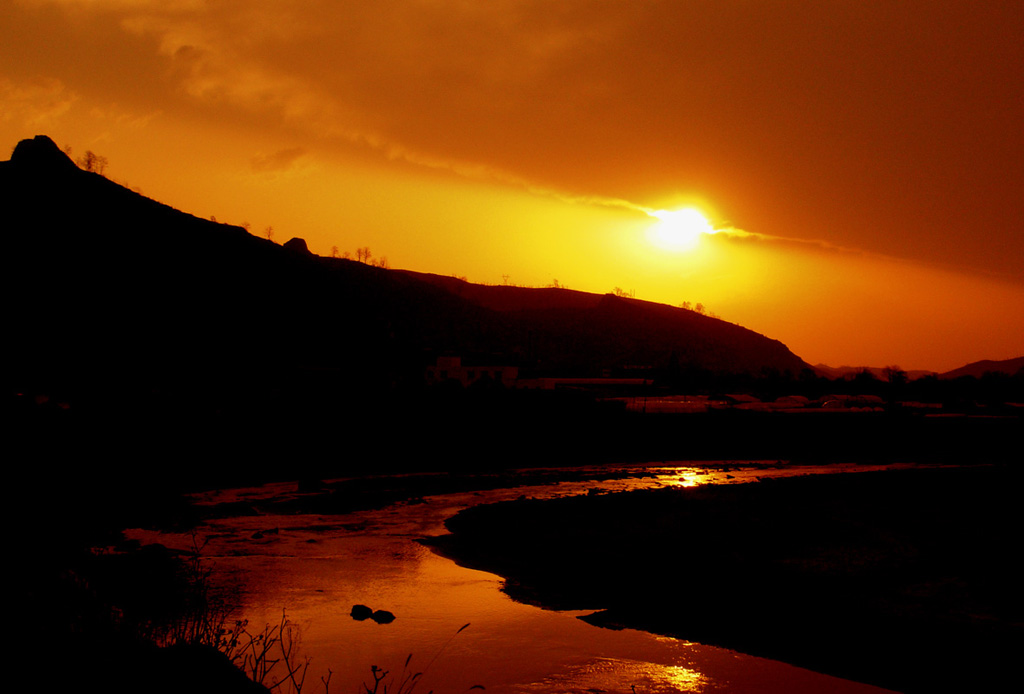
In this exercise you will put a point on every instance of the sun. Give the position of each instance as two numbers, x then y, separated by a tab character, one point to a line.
678	230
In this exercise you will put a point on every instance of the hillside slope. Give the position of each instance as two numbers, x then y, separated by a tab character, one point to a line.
114	290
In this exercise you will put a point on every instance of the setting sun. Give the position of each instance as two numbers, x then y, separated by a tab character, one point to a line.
678	230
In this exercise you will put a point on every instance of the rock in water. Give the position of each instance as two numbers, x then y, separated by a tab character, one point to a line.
361	612
382	617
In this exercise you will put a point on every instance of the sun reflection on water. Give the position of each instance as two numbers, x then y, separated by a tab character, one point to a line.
687	480
615	676
684	679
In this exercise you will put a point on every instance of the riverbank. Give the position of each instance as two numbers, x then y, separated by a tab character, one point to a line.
904	579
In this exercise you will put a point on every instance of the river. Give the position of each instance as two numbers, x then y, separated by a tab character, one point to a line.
314	568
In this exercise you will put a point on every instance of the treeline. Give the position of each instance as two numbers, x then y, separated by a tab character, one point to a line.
992	388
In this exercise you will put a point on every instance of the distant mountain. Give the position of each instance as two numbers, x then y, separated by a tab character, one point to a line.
978	369
111	290
834	372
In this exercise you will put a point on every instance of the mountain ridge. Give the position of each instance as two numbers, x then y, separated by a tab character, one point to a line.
976	369
111	281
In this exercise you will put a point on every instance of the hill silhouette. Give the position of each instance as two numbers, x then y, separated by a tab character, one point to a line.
977	369
150	350
117	291
573	330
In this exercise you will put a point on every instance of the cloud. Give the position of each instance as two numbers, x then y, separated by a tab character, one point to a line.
784	114
36	103
731	232
277	162
115	5
116	115
405	79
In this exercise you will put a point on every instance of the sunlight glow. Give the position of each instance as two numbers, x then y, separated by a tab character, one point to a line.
678	230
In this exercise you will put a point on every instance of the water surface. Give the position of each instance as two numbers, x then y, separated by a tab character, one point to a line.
315	567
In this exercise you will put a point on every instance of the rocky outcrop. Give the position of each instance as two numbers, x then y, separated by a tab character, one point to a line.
41	154
297	245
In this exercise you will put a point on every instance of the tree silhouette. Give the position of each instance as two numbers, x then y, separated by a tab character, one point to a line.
895	375
93	162
865	379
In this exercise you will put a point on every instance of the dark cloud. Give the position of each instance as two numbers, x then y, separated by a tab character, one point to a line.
898	123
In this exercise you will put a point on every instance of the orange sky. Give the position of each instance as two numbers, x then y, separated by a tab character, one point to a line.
873	149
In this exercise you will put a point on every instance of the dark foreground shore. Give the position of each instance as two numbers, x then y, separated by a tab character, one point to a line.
908	580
